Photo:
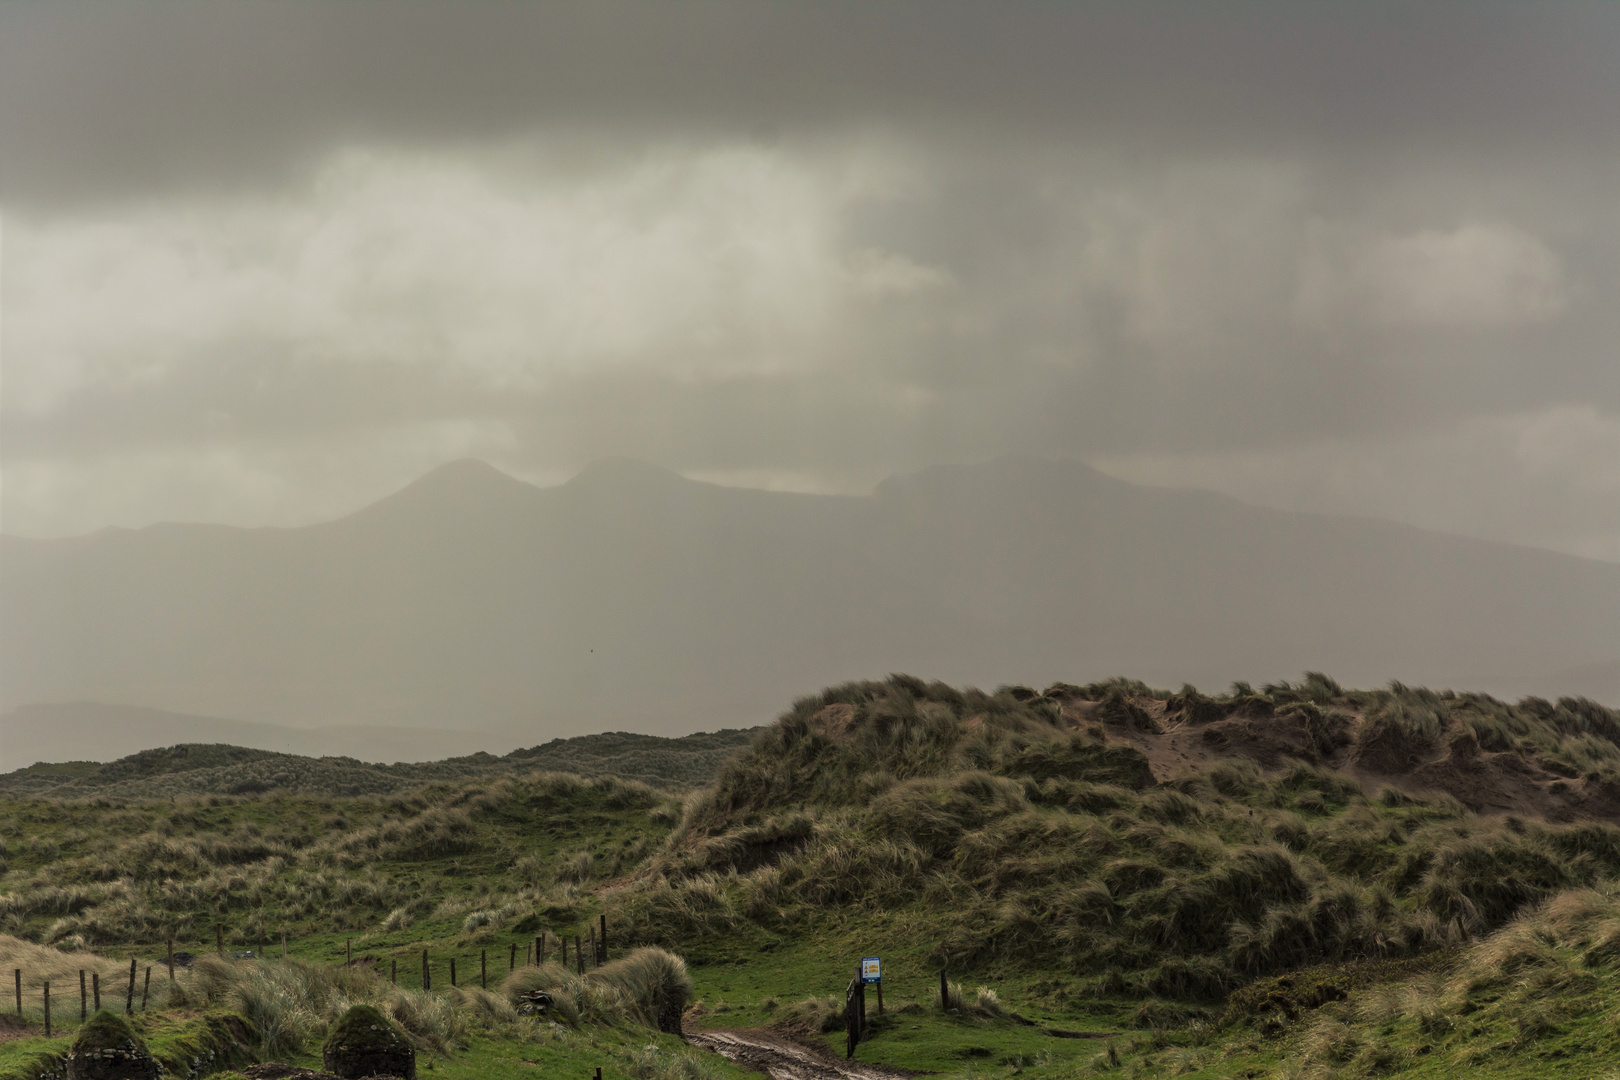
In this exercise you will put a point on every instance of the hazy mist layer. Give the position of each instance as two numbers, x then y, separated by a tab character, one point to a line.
630	598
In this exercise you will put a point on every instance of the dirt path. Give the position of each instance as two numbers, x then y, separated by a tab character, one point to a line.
783	1059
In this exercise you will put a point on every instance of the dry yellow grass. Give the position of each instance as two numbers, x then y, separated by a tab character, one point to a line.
40	964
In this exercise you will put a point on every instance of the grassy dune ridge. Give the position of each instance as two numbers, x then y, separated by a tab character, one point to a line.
1050	843
1109	858
193	769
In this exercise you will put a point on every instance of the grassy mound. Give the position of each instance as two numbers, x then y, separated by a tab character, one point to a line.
654	985
364	1042
1039	839
108	1031
649	986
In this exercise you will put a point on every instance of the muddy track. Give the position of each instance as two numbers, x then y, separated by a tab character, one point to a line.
784	1059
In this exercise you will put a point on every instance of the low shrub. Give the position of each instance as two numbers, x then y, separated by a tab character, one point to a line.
653	984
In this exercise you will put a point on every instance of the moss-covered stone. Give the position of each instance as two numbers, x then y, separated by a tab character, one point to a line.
107	1048
366	1043
203	1044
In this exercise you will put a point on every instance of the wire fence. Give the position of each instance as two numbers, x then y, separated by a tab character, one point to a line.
45	997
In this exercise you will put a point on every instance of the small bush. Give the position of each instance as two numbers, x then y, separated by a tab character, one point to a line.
579	867
654	985
478	920
567	989
821	1014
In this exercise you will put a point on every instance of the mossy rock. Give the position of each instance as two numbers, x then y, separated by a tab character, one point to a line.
107	1048
366	1043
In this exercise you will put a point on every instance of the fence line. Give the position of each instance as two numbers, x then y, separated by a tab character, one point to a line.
584	959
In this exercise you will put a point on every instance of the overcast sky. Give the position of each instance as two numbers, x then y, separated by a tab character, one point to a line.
264	264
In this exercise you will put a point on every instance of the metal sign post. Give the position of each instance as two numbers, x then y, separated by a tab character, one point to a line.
872	972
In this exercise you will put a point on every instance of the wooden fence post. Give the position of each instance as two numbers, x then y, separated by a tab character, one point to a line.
452	971
129	994
284	944
852	1019
596	957
83	1009
95	988
483	969
604	936
511	959
171	958
17	974
47	1008
427	979
540	948
393	972
348	952
146	988
219	939
880	996
579	954
944	992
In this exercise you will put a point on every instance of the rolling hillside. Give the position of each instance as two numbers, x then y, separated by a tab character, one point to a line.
1293	880
69	731
222	769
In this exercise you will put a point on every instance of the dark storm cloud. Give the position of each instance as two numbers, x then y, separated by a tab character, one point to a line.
102	100
1354	256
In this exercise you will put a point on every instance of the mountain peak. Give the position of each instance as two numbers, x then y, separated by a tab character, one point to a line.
463	478
463	471
454	487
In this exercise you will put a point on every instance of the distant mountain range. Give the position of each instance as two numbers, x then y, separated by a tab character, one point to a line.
633	598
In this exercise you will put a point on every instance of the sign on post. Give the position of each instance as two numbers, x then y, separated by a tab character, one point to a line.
871	969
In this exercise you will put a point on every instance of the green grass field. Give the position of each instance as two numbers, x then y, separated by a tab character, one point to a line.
1093	917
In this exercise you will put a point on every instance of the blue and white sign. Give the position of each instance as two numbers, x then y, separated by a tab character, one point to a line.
871	969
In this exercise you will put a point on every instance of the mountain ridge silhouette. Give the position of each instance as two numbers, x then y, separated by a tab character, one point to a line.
631	597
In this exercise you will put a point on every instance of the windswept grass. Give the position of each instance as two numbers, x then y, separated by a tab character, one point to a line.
42	964
1013	838
1531	998
1041	844
291	1004
260	867
648	986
